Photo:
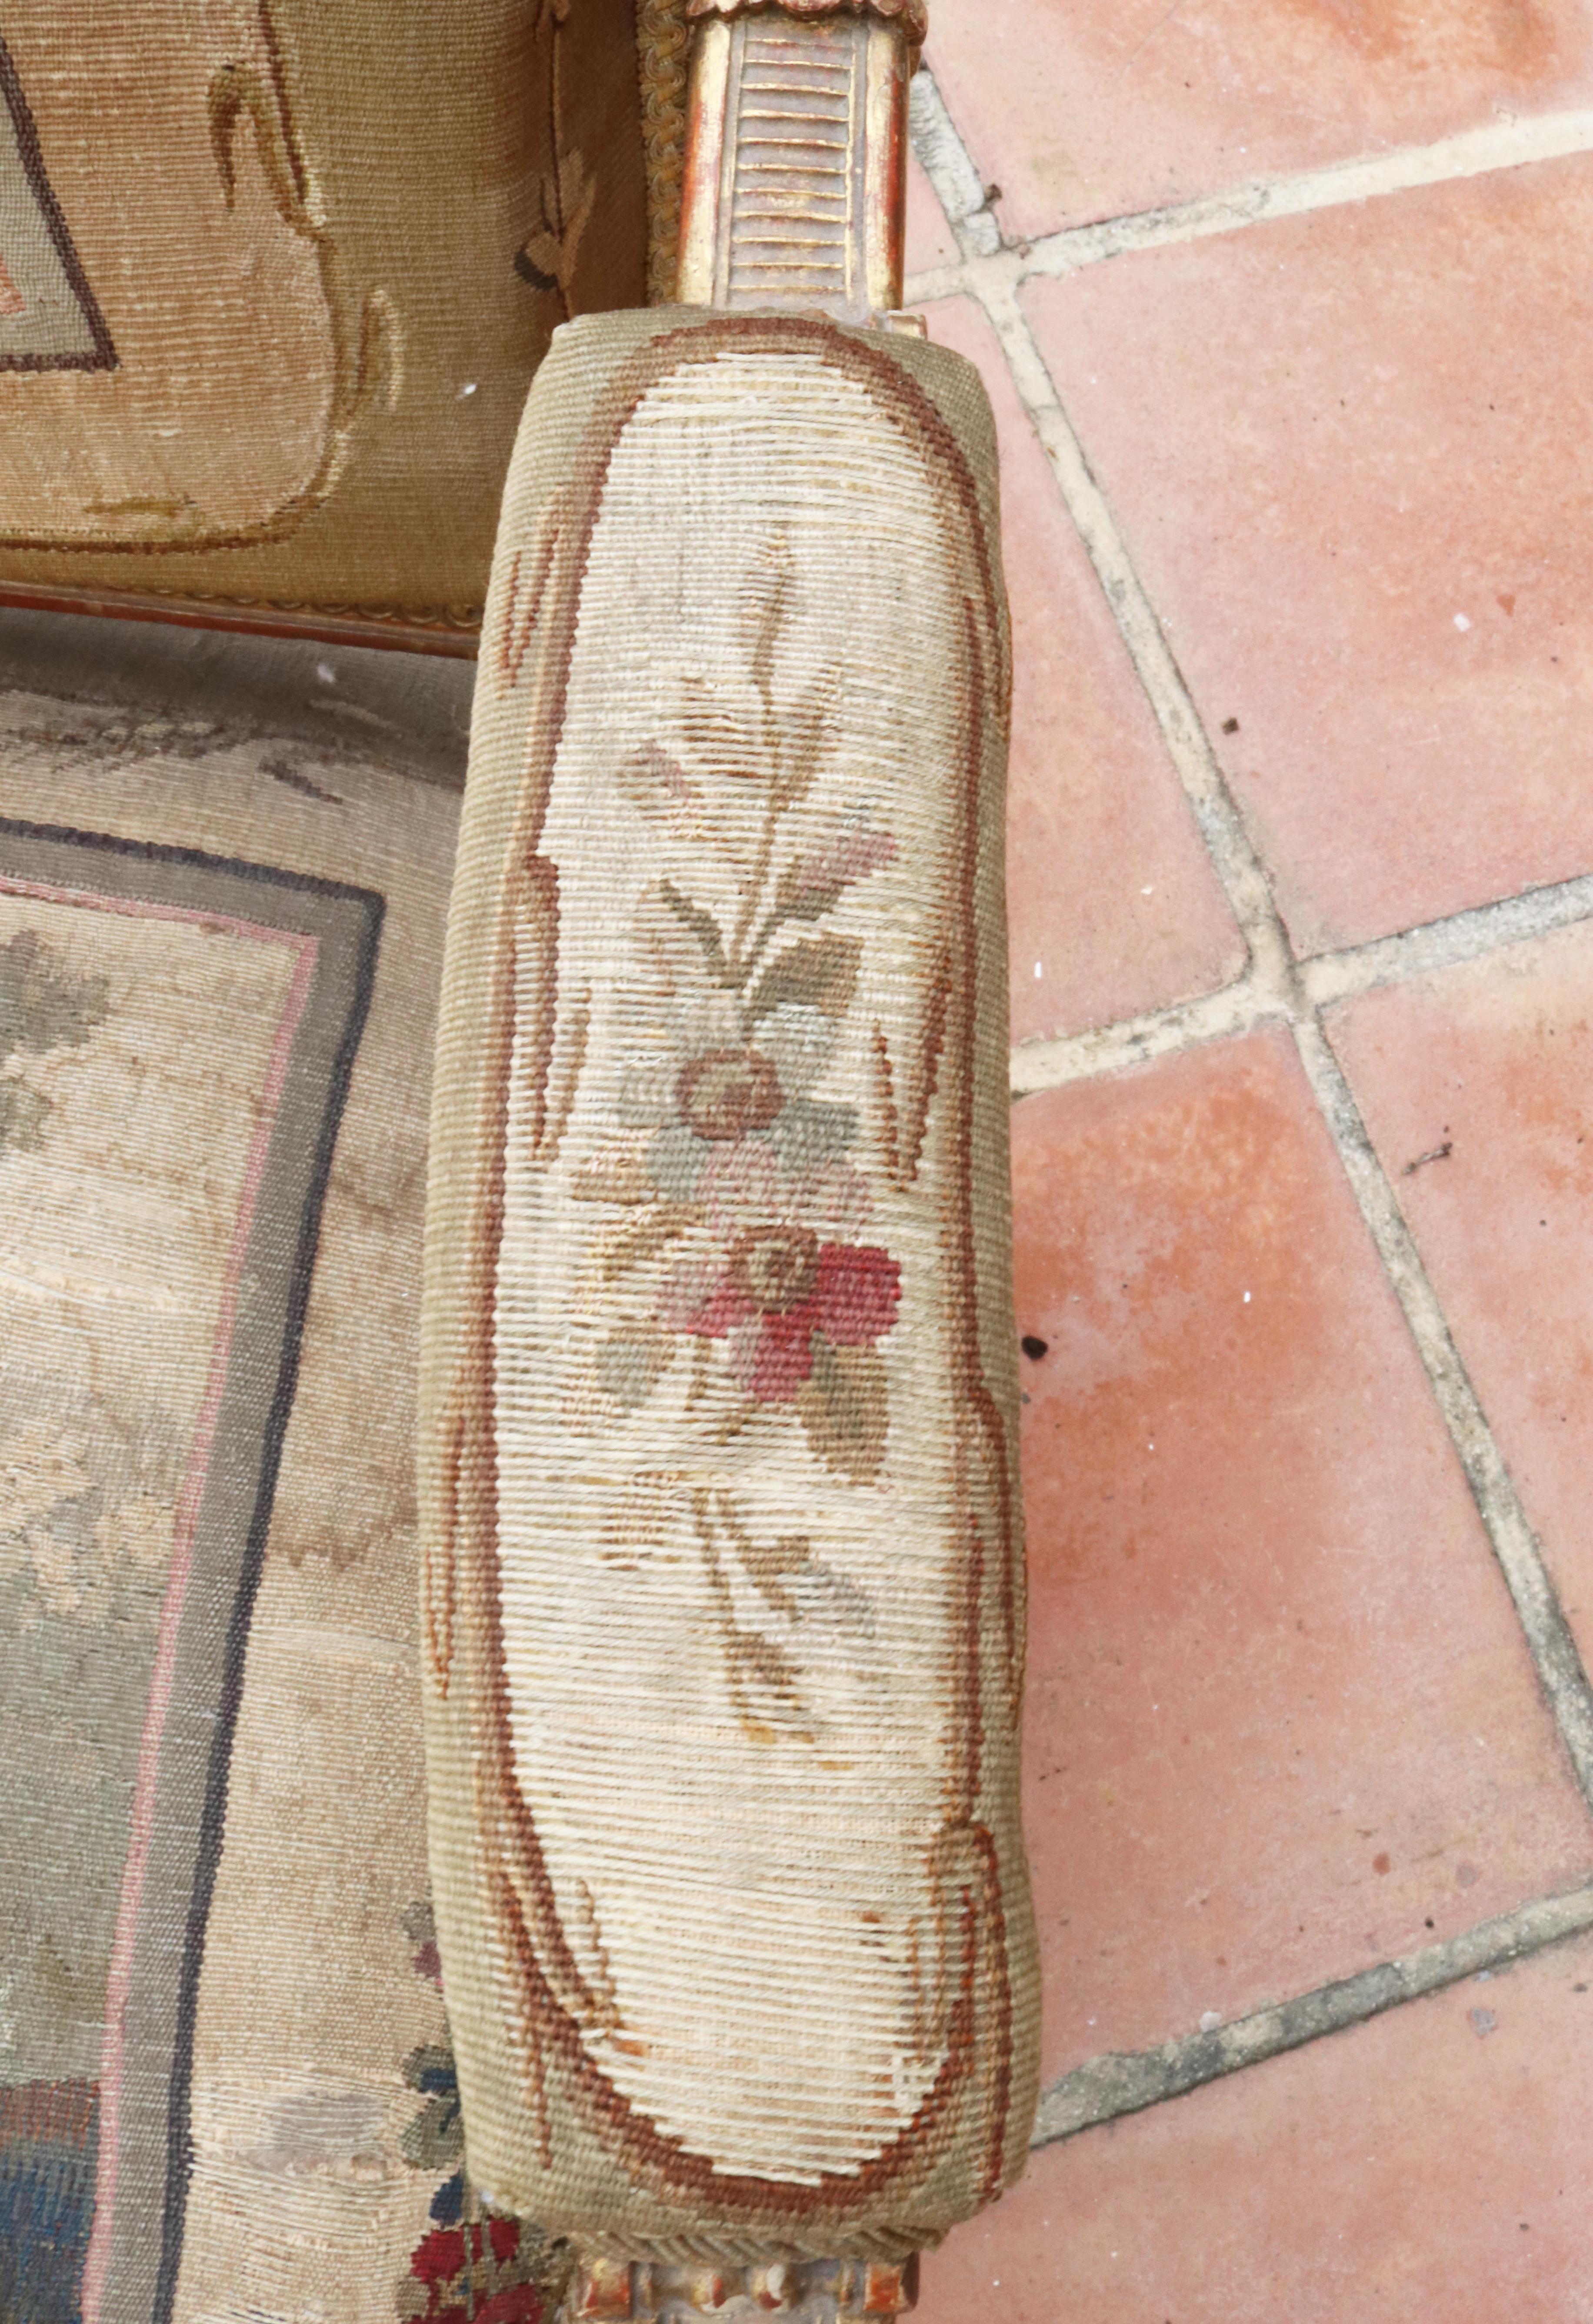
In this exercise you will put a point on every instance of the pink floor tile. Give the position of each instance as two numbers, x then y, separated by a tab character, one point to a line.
1080	111
1281	1720
930	240
1489	1070
1112	898
1348	455
1430	2168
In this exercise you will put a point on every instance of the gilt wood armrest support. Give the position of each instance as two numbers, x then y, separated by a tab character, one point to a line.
796	157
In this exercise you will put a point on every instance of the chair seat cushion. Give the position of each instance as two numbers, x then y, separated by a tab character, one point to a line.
219	953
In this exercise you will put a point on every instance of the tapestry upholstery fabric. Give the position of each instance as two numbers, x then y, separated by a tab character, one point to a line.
274	278
722	1566
219	957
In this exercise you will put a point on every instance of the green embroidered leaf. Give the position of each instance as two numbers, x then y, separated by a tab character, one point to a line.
703	926
640	1240
43	1005
631	1364
819	974
844	1410
765	604
426	2068
22	1111
435	2140
807	733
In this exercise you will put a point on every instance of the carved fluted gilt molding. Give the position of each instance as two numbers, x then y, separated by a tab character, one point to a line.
797	156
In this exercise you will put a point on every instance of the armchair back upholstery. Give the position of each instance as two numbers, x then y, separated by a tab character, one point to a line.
274	279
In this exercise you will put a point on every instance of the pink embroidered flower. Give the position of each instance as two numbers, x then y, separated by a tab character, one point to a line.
783	1288
744	1185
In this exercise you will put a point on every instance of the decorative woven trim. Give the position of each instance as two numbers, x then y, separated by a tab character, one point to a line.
663	45
426	617
424	628
913	15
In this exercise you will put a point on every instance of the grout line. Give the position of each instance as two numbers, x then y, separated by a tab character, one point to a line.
1227	841
1121	2084
1237	1009
941	282
1510	144
949	167
1323	982
1554	1649
1333	977
1473	153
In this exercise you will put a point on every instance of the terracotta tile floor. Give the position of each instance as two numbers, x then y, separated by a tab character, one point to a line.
1113	905
1246	1519
1348	455
1489	1070
1298	535
1431	2167
1080	111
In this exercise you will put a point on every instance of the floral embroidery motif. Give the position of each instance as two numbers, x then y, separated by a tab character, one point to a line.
738	1173
785	1296
474	2274
43	1006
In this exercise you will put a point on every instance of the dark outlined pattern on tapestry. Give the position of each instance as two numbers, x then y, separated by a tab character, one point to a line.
49	319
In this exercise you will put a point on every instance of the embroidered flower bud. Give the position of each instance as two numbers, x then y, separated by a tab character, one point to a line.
774	1267
729	1094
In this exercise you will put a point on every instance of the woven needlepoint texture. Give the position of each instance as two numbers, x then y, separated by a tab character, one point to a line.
723	1594
275	275
219	958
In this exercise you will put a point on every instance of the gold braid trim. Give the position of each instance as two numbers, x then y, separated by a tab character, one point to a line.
913	15
663	42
